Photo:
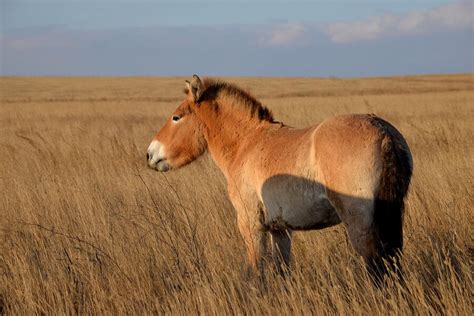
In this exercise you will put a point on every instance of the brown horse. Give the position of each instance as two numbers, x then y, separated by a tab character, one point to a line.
353	169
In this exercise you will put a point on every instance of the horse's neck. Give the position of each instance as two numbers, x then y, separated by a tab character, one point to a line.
225	143
225	137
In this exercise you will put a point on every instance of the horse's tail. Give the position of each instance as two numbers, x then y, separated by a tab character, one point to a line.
389	203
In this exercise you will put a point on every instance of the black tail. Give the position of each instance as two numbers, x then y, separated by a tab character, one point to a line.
389	203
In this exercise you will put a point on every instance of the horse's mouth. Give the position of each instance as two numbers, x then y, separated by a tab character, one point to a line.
161	165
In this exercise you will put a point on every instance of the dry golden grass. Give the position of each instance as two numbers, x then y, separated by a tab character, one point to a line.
86	228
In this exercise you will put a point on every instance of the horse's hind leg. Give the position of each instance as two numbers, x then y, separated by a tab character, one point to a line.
357	216
363	240
281	250
359	222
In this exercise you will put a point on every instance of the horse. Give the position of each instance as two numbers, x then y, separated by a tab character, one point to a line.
353	169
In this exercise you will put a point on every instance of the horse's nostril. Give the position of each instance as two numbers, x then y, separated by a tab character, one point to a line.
147	157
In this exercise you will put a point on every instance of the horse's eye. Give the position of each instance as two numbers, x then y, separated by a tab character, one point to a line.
176	118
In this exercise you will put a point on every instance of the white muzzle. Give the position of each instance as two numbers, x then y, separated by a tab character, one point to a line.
156	157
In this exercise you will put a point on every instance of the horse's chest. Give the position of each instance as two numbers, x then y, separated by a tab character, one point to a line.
296	203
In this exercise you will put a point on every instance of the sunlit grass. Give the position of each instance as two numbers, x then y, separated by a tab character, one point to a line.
85	227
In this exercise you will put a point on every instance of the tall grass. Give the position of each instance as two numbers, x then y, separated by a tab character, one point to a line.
86	228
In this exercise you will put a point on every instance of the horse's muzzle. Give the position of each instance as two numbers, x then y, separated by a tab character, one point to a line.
155	157
162	165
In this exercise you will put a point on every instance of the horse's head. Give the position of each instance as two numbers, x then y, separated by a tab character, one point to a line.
181	140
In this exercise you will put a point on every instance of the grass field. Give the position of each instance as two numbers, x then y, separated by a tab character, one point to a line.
87	228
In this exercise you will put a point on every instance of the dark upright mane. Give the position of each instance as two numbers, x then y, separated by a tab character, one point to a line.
212	89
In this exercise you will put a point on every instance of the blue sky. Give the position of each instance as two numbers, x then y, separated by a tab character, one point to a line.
225	38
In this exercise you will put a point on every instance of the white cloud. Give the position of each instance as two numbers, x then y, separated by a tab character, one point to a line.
454	16
284	34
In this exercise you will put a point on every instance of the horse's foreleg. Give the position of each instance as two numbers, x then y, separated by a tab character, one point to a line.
250	224
255	239
281	250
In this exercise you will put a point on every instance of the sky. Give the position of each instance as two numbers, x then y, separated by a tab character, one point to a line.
319	38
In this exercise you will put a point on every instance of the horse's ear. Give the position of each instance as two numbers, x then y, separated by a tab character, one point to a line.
188	86
195	87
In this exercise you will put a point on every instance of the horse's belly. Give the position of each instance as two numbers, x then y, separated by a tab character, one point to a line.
298	204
